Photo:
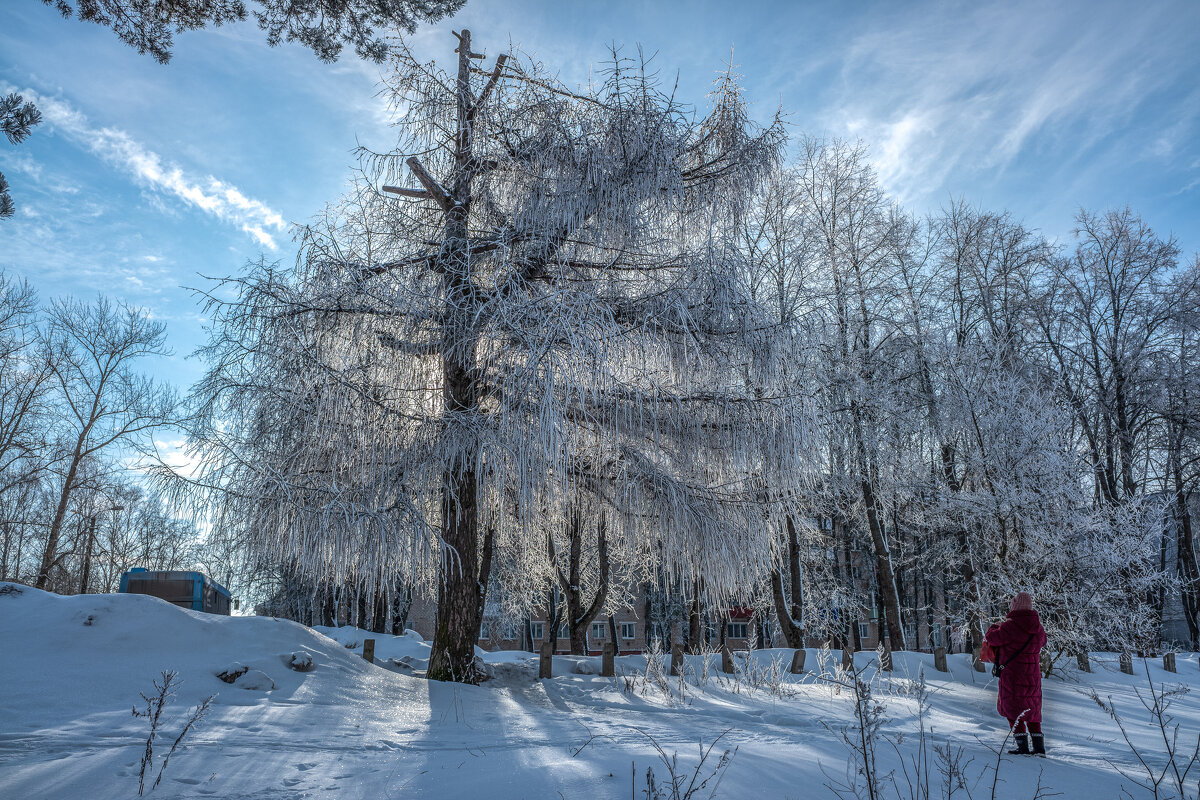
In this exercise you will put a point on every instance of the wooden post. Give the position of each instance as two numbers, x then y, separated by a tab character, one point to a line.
1084	664
1169	662
608	662
676	658
726	660
1127	663
369	650
939	660
975	662
546	661
885	659
798	661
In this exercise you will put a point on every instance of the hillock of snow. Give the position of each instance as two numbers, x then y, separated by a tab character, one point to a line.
347	729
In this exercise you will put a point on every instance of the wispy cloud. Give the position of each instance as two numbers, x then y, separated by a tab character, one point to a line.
208	194
951	89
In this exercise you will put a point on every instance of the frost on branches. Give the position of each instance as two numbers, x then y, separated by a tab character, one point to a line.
579	343
546	305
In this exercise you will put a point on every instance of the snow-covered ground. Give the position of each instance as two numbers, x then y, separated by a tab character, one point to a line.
72	668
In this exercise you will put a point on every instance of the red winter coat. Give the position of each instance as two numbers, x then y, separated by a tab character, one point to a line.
1021	680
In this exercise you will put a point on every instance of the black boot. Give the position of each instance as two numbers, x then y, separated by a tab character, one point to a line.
1022	745
1039	745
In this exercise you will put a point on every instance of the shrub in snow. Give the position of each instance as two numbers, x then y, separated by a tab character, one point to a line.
10	588
153	713
232	672
255	680
703	780
301	661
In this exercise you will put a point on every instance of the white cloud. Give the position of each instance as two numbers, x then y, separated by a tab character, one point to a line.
209	194
946	89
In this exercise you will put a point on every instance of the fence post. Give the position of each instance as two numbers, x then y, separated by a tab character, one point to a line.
1169	662
939	660
608	663
726	659
546	661
1084	664
676	658
1127	663
798	661
369	650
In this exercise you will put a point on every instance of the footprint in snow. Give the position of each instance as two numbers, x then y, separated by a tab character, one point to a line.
305	766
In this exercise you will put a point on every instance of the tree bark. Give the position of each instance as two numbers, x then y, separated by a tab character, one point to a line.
50	553
460	590
789	606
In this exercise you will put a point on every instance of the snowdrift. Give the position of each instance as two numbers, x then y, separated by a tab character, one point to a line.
72	668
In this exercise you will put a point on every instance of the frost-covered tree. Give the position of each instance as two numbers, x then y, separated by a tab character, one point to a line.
1102	313
856	238
552	309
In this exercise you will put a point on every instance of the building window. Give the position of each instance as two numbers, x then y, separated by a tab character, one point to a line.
510	631
536	630
628	630
599	630
485	630
736	630
936	634
910	634
864	630
564	632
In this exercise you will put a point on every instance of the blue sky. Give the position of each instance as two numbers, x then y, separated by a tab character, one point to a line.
145	177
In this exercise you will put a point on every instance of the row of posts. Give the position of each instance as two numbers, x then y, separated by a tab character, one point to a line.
608	665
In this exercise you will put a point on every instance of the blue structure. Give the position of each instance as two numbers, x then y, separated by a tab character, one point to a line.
193	590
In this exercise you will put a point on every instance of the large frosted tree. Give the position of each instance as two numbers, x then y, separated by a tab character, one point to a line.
542	301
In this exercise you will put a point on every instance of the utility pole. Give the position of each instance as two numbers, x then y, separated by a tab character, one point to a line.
87	551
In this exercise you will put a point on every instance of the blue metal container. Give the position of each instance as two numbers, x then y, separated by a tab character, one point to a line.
193	590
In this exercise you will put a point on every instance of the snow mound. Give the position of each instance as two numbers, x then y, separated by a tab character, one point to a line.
255	680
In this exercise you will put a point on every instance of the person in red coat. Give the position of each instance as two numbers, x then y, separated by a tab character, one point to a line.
1018	643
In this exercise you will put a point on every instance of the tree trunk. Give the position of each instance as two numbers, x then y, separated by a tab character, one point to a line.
460	590
579	617
695	622
885	574
1185	550
789	608
50	554
87	557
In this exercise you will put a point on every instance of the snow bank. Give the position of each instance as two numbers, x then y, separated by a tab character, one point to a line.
348	729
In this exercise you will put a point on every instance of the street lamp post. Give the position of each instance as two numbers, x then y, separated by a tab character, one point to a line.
87	551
